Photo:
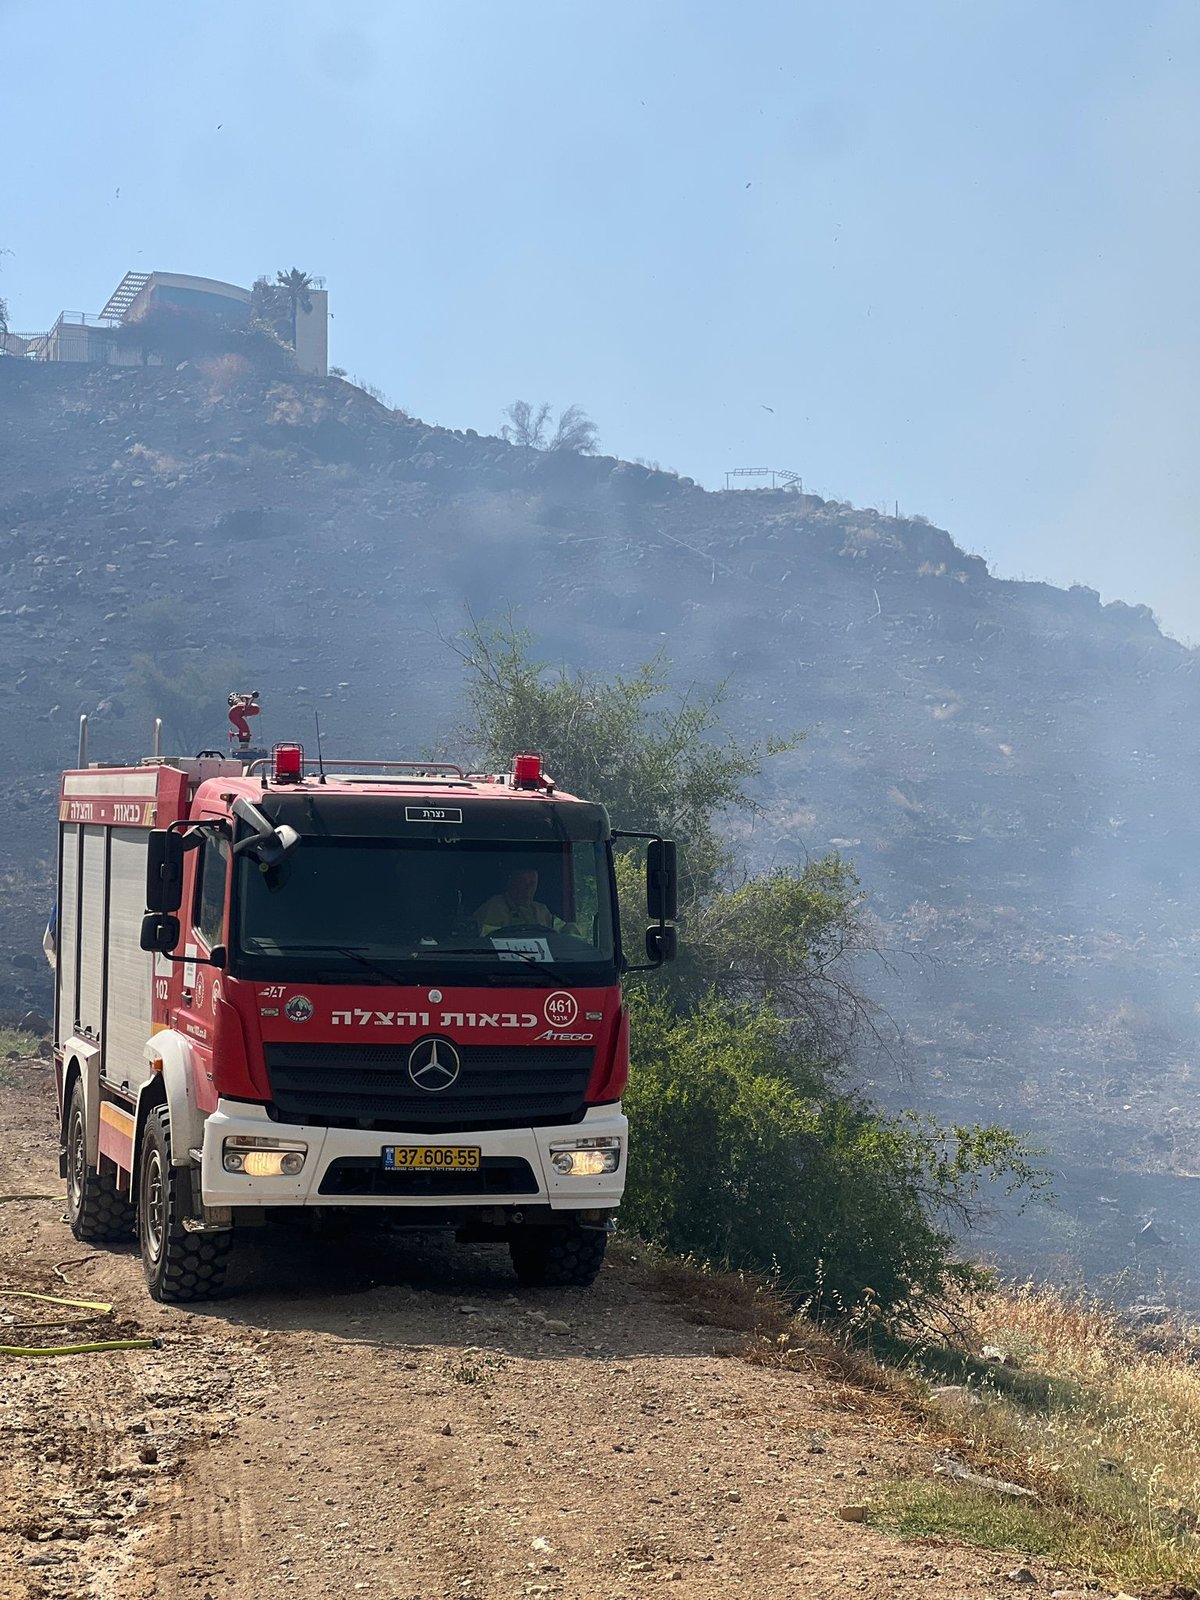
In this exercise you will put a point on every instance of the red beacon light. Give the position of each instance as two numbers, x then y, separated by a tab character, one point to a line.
527	772
288	763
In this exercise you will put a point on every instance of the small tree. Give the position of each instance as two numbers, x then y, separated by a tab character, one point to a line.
295	285
527	425
576	431
270	309
651	760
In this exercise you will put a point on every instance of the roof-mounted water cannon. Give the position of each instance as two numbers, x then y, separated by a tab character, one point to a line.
241	708
527	773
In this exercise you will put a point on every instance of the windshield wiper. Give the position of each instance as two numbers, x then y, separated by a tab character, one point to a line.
352	952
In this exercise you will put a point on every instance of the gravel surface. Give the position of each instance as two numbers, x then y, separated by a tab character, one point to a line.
389	1417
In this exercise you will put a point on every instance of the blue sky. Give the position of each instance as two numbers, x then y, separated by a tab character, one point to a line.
953	246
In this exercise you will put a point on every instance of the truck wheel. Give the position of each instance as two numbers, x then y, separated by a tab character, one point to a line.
562	1256
96	1209
179	1266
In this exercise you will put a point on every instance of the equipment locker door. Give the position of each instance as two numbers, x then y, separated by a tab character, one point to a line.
93	946
67	968
128	1020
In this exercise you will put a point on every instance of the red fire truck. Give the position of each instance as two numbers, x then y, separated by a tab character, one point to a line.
291	986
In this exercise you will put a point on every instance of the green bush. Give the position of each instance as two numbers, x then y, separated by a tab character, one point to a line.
747	1146
742	1152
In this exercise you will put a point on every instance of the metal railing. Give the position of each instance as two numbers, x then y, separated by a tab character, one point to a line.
406	771
85	319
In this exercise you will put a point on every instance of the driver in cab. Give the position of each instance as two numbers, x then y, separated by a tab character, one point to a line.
518	906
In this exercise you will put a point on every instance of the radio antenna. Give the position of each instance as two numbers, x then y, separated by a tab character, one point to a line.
320	761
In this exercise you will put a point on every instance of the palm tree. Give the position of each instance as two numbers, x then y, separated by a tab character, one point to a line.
296	284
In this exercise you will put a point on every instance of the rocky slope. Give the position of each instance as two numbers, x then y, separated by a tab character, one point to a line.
1010	765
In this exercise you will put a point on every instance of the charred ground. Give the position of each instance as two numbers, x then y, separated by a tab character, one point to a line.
1009	764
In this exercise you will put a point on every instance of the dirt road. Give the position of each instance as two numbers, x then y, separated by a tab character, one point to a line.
392	1419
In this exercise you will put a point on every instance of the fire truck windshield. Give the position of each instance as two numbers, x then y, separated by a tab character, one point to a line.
368	910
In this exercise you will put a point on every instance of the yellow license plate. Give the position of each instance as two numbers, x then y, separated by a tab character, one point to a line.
431	1157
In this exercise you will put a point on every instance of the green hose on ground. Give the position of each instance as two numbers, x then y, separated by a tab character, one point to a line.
79	1349
100	1306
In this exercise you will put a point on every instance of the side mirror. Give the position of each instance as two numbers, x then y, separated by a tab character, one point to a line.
661	945
164	872
265	843
662	880
272	853
160	932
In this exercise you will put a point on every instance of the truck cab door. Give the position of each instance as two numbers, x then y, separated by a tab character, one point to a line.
207	908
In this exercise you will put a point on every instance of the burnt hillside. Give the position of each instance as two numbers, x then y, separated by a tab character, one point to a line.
1012	766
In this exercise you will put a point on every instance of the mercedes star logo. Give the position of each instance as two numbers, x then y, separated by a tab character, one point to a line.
434	1065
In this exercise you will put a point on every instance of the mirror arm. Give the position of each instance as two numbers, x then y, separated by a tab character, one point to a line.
197	961
193	832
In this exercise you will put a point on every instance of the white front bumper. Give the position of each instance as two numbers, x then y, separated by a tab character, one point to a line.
327	1145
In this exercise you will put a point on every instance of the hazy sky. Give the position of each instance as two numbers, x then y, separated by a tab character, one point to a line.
955	247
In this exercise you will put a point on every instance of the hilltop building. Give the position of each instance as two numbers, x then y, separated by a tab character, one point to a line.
82	336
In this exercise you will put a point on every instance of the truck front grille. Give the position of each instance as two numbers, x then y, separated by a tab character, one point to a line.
353	1176
368	1086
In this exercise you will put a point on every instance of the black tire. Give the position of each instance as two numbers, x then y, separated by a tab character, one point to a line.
562	1256
179	1266
96	1209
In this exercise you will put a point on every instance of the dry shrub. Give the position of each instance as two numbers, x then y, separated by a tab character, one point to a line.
855	1381
146	459
291	409
225	375
708	1295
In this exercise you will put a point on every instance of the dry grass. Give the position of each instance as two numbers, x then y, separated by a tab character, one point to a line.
1103	1424
774	1335
145	459
12	1041
707	1295
1100	1422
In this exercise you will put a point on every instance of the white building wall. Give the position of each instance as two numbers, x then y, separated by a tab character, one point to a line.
312	335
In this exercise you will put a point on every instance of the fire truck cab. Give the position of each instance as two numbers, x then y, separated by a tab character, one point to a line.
283	989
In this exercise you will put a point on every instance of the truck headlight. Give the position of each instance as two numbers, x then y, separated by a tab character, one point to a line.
263	1158
586	1158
